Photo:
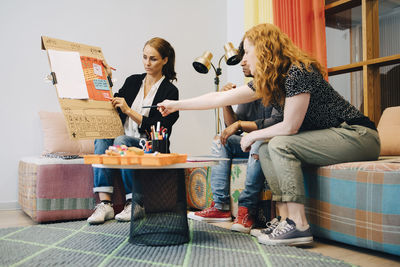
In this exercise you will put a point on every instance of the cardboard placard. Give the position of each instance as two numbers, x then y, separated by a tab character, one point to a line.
95	117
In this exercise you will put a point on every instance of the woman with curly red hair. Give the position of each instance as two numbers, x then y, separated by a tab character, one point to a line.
319	126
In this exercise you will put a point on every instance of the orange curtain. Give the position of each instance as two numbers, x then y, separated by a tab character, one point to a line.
304	22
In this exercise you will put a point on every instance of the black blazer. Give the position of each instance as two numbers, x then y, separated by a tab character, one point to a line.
167	90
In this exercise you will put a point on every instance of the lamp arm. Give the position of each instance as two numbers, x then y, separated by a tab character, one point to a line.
219	61
215	70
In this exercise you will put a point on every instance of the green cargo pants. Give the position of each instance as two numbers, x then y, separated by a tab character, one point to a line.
283	156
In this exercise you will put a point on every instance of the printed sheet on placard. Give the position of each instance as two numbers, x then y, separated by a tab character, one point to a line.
83	89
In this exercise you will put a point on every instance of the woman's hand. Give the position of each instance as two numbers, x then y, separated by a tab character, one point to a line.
228	86
119	102
231	129
167	107
247	141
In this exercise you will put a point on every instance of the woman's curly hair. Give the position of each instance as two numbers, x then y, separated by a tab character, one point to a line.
276	53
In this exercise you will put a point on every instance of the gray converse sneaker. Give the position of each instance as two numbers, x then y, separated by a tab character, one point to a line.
102	213
286	233
271	225
125	215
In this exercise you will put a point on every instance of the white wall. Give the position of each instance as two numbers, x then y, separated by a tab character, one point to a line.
120	28
235	32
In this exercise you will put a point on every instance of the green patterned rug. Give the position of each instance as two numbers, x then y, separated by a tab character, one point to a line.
79	244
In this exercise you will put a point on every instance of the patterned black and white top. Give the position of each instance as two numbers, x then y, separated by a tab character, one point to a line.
327	108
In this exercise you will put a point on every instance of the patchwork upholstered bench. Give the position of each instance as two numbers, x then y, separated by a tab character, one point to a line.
51	189
356	203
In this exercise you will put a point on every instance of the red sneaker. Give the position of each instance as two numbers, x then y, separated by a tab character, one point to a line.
243	222
211	214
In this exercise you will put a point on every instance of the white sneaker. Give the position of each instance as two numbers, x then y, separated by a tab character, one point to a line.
125	215
270	226
102	213
286	233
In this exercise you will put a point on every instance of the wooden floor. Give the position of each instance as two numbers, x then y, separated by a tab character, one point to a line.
347	253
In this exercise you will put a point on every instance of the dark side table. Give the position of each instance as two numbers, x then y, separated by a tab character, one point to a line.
165	220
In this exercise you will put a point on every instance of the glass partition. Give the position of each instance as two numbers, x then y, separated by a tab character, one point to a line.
349	85
344	37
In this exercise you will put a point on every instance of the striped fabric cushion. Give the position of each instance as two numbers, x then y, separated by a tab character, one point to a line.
356	203
55	189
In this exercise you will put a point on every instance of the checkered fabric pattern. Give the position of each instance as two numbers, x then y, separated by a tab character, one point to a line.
79	244
356	203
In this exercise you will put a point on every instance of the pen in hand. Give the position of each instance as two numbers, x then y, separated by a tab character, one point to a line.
153	106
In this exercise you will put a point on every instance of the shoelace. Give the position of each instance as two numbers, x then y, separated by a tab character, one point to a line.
271	226
208	210
245	218
282	228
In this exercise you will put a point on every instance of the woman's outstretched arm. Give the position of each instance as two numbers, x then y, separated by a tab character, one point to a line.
240	95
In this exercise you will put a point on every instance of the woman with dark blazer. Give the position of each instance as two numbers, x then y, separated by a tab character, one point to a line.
139	90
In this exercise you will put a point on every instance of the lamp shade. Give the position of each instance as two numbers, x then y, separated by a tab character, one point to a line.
231	54
203	63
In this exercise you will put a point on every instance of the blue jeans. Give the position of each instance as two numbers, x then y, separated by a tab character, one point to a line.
220	174
103	178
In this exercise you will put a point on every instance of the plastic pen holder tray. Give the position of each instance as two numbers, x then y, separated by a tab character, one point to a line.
162	159
158	159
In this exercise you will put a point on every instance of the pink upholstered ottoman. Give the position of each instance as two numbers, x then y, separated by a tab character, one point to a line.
51	189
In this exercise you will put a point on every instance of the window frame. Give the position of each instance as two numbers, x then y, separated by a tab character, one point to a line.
371	61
